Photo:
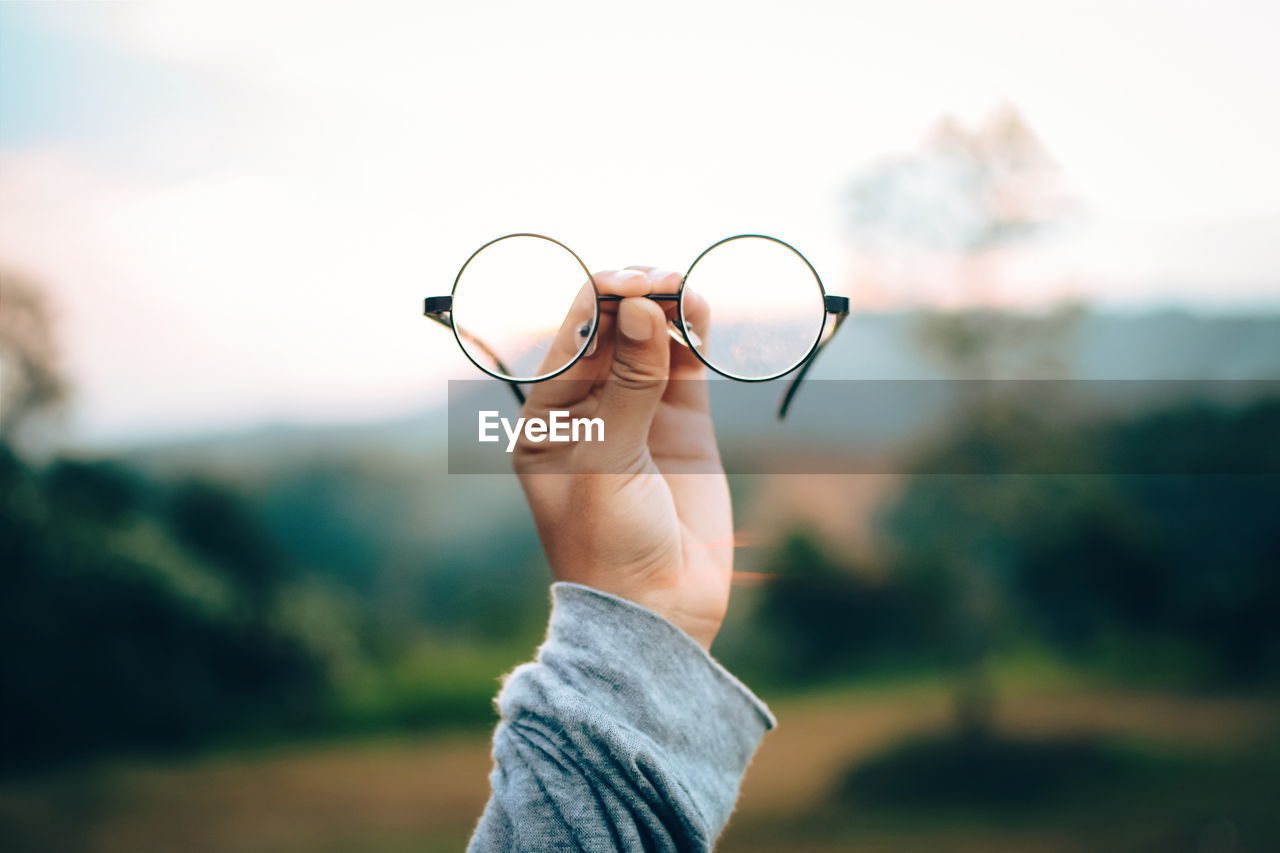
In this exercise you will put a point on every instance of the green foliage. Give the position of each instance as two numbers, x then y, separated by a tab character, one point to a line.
457	561
433	684
1087	793
217	526
952	770
1171	577
826	618
115	634
1106	560
145	612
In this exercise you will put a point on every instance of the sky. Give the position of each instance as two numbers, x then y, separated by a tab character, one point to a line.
236	208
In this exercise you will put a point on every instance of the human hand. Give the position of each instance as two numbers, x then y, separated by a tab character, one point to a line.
646	514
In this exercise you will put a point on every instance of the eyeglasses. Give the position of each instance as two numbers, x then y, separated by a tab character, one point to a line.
516	293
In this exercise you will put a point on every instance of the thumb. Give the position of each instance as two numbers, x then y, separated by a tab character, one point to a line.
638	374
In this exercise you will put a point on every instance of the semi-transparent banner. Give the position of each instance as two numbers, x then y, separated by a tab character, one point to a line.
1098	427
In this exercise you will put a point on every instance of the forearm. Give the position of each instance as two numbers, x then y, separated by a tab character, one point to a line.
623	734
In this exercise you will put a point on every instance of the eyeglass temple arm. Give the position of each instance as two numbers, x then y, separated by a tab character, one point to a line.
837	305
440	309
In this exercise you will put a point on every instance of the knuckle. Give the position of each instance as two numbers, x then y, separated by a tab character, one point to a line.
633	372
527	453
523	459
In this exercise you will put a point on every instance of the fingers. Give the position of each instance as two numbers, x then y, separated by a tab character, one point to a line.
633	281
638	281
660	280
594	367
688	390
685	367
697	313
574	384
568	341
637	375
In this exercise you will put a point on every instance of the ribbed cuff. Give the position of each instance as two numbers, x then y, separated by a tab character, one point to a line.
636	685
644	645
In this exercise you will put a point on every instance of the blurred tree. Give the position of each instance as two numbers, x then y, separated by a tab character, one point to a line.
965	191
826	618
965	195
218	525
97	491
1106	563
31	380
971	346
113	635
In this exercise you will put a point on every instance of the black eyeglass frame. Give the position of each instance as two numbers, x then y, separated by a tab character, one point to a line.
440	309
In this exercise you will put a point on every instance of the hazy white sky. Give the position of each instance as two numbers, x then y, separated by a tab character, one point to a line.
239	206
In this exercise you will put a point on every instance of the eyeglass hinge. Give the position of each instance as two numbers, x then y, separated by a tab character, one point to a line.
837	304
437	304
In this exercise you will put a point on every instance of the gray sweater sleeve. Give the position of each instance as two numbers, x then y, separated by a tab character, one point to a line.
623	734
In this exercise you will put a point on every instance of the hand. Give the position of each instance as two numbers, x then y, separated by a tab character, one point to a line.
646	514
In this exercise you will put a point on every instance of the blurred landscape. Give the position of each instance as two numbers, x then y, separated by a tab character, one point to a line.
289	639
247	608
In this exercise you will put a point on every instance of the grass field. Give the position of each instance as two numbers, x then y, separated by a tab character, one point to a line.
1209	786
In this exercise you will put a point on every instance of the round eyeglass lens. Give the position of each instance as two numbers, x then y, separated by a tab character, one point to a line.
760	304
523	307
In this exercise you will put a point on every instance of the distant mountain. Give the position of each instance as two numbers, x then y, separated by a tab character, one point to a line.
1152	346
1164	345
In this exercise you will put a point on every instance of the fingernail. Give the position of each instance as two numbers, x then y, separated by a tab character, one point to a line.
634	321
661	275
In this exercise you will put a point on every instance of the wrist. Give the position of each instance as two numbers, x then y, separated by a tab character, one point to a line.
702	629
701	626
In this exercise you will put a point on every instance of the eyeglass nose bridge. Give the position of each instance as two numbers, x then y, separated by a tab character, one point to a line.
690	337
